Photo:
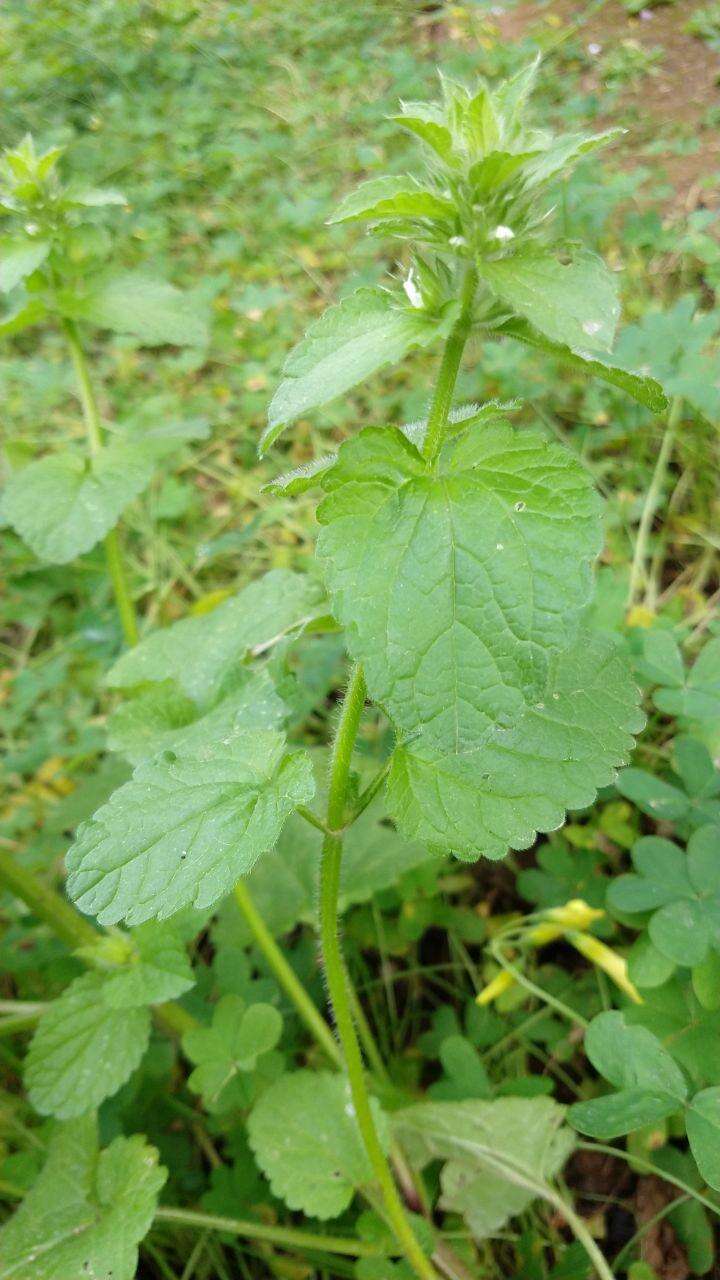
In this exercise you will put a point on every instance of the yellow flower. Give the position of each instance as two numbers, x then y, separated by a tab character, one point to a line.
502	982
606	959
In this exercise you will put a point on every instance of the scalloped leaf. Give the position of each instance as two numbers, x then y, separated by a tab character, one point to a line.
353	339
200	652
83	1050
574	303
87	1211
456	585
500	1155
184	829
306	1141
62	505
523	779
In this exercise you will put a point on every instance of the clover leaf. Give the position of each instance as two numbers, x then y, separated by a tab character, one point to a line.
229	1049
681	890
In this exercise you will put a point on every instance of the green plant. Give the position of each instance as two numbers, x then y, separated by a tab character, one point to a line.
455	555
54	269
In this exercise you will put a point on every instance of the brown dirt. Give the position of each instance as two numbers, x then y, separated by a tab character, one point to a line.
678	92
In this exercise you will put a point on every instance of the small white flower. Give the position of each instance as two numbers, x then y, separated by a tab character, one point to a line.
594	49
504	233
414	295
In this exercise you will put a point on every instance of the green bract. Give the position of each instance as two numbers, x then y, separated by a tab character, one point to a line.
482	205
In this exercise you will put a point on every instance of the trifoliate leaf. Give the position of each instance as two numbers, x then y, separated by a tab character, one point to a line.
199	653
683	892
455	585
152	311
157	969
18	259
574	303
393	197
83	1050
305	1138
679	348
350	341
651	1084
697	696
162	718
64	504
522	779
640	386
500	1155
87	1211
239	1035
186	827
703	1131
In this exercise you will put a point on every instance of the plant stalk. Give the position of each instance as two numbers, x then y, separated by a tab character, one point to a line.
72	927
652	500
93	427
283	1236
336	977
447	377
286	976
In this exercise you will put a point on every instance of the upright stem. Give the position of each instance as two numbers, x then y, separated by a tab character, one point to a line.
652	499
447	377
337	980
93	427
286	975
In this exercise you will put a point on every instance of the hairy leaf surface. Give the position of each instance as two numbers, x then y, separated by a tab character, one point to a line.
87	1211
162	718
522	779
150	310
83	1050
199	653
455	586
186	827
350	341
305	1138
574	303
499	1154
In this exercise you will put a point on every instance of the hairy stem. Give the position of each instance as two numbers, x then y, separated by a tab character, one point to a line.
652	500
283	1236
285	975
336	977
93	427
46	904
72	927
447	377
